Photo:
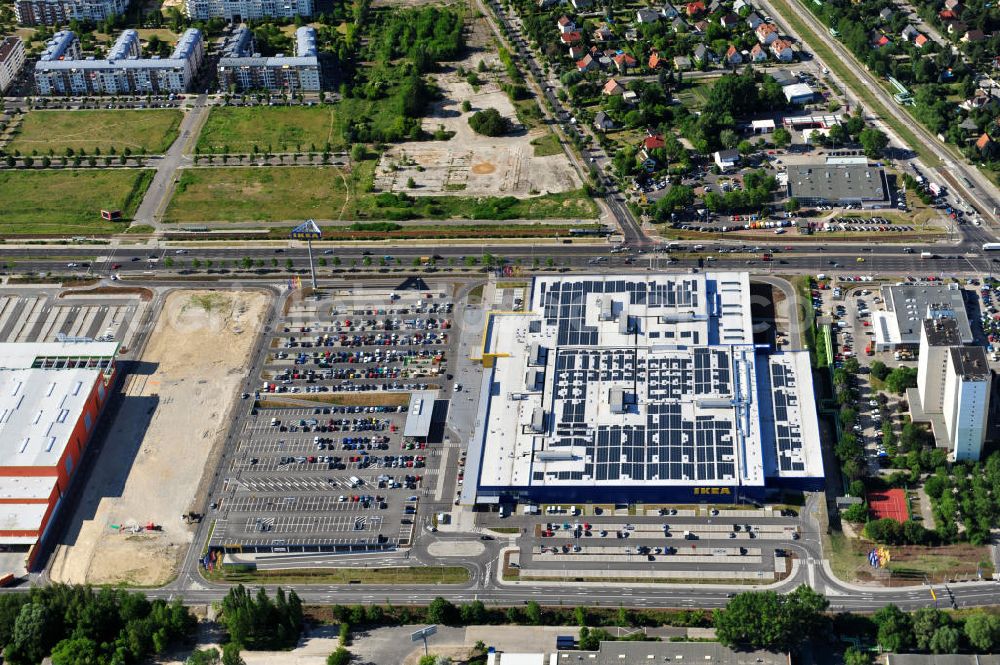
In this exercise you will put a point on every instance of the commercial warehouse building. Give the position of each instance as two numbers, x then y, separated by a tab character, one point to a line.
60	12
51	397
61	71
908	304
240	68
623	388
823	184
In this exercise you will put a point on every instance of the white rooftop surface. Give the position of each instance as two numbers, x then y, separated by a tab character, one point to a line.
40	407
15	355
26	487
687	374
21	517
505	658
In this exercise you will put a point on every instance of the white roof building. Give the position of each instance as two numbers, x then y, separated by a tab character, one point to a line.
615	387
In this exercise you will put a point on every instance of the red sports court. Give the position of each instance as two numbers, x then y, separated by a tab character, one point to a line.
891	504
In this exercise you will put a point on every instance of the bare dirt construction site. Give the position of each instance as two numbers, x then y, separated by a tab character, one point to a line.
468	163
174	411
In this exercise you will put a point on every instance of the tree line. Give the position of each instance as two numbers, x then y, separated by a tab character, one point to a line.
76	624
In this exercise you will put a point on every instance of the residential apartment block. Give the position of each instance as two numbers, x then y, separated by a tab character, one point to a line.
244	10
62	71
953	388
58	12
11	61
240	68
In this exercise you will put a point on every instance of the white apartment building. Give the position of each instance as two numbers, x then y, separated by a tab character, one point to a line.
61	71
240	68
11	61
967	401
244	10
953	388
58	12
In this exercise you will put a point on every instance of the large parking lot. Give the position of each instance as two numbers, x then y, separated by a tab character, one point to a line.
41	317
322	463
688	544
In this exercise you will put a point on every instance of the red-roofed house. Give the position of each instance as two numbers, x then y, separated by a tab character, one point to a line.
920	40
733	56
947	15
655	61
782	50
881	41
586	64
983	142
650	143
570	37
766	33
696	8
758	54
613	87
623	61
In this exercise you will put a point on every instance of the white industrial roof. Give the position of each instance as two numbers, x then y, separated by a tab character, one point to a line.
40	406
27	487
419	412
21	517
17	356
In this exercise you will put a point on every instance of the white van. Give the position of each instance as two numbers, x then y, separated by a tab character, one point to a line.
355	481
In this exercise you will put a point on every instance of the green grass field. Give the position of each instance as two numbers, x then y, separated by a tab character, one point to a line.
68	202
42	131
547	145
274	128
259	194
329	193
298	128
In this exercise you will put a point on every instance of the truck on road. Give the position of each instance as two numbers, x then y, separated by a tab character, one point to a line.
926	255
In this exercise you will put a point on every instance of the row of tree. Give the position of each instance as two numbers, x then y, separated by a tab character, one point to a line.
75	624
766	620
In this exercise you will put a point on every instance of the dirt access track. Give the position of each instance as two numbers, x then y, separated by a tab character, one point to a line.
175	410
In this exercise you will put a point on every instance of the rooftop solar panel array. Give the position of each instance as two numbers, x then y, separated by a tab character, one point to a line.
788	434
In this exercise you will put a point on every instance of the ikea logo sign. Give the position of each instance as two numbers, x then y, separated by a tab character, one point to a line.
711	490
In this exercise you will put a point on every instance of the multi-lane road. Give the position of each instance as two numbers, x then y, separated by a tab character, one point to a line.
801	257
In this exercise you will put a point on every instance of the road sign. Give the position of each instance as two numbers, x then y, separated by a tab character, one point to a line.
423	633
307	230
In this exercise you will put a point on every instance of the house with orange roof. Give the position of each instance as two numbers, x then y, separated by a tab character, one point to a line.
623	61
696	8
758	54
782	50
612	88
766	33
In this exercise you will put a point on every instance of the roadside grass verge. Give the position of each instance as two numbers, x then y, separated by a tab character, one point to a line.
278	194
400	575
